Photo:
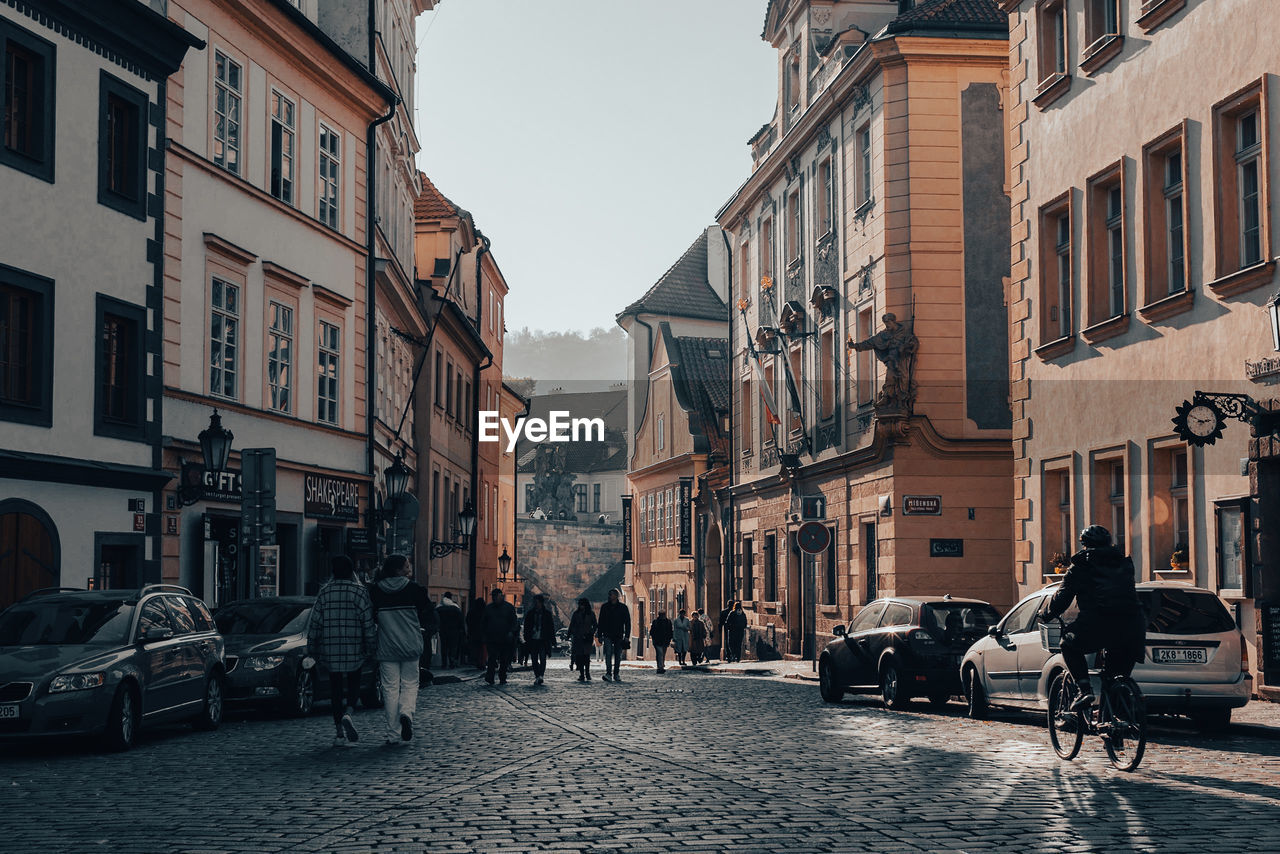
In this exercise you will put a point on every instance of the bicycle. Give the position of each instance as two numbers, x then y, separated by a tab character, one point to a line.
1119	717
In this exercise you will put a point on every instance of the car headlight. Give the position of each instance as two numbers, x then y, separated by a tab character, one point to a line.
264	662
76	682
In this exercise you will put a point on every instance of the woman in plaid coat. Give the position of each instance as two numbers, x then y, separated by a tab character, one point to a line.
342	637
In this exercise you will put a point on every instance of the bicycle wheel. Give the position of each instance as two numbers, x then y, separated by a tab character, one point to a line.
1125	729
1065	731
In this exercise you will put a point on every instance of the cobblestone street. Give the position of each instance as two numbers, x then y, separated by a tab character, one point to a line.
684	761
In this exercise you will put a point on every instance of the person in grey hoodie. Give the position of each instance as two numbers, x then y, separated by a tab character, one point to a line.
401	608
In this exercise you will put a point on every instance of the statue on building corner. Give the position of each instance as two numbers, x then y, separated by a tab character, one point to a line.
896	346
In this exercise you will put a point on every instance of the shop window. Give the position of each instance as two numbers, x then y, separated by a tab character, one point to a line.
1233	548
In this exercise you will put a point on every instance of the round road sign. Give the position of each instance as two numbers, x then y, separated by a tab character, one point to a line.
813	537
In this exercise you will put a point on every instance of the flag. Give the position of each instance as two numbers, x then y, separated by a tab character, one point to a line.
766	393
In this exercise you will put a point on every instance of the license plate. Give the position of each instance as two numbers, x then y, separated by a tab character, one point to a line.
1179	655
9	712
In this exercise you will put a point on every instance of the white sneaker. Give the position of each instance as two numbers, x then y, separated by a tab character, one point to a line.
349	728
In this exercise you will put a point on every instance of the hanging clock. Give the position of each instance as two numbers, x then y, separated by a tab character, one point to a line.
1198	422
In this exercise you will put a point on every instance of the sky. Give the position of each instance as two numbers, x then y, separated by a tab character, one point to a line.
592	140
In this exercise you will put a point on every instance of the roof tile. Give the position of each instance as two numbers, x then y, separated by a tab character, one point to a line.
684	290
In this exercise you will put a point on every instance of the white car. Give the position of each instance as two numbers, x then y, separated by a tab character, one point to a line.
1195	664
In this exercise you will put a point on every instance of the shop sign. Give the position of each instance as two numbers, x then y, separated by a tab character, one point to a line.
922	505
946	548
359	542
1263	368
214	486
329	497
626	529
686	517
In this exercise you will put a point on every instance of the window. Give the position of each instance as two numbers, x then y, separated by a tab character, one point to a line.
897	614
180	612
1170	529
26	347
661	433
1057	535
826	202
328	372
1241	188
595	498
529	506
448	390
659	515
466	407
868	617
1102	19
797	417
671	516
120	403
1106	265
581	490
652	532
280	356
224	338
792	61
864	164
281	147
330	175
745	437
28	118
748	570
744	271
153	616
866	365
766	250
226	112
793	235
1022	618
1232	545
1051	18
1165	236
1056	270
457	392
122	147
1108	488
770	568
827	387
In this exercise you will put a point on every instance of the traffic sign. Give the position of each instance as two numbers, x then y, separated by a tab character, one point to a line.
813	537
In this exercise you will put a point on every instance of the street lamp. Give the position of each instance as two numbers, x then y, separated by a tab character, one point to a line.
466	527
1273	309
504	566
396	477
215	447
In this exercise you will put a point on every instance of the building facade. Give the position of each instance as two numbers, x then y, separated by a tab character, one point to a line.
265	316
81	479
511	407
869	331
1143	261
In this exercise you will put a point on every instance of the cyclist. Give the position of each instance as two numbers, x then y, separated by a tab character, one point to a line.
1100	580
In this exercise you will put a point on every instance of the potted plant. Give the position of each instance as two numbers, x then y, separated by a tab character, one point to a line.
1058	563
1179	561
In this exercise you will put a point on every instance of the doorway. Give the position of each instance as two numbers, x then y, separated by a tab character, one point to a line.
118	560
869	558
30	554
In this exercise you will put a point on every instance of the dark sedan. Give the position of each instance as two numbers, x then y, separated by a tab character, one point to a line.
266	643
904	647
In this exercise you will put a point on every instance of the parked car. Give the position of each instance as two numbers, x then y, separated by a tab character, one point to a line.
1195	664
108	662
266	643
903	647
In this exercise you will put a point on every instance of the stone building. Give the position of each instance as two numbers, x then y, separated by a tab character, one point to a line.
869	333
1143	264
82	169
266	288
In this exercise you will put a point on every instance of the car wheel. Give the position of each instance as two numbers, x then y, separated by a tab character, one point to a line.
891	687
304	694
831	691
974	695
210	716
122	720
1212	720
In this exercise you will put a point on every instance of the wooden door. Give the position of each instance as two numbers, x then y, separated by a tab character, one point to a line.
26	557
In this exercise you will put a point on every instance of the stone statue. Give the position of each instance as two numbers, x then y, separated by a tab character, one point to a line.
553	491
896	346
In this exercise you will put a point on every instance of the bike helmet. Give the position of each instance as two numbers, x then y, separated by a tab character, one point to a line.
1095	536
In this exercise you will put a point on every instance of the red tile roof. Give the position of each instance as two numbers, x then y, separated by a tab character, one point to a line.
432	204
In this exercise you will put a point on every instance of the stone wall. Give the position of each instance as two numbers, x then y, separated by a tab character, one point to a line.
563	559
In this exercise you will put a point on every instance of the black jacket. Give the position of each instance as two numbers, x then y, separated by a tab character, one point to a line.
615	621
500	622
736	621
1101	583
661	631
548	627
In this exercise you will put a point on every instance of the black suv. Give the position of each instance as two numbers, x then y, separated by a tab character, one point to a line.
904	647
107	662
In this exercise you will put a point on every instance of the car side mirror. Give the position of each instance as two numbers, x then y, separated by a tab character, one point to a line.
838	631
994	632
157	633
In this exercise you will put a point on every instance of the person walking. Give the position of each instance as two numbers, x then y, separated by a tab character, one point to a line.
680	639
661	632
341	637
475	633
582	636
449	619
720	628
615	632
735	631
499	628
401	608
698	644
539	632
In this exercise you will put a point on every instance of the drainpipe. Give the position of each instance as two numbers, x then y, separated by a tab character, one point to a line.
370	273
729	544
475	385
515	499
